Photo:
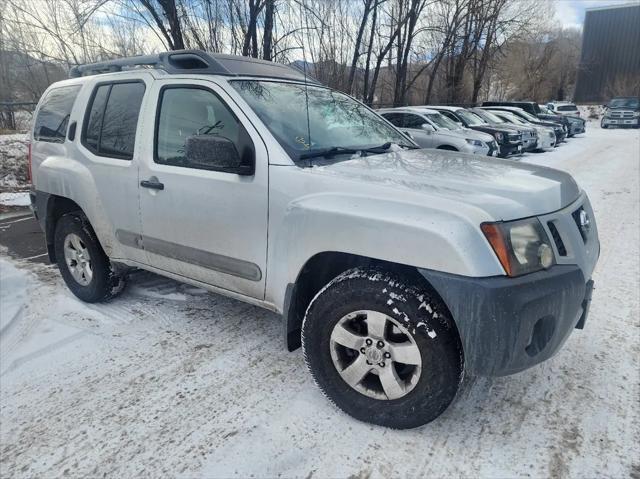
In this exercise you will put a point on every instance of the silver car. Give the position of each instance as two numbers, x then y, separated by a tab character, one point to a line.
430	129
397	269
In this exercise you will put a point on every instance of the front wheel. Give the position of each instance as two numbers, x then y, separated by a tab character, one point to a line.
603	125
84	266
382	350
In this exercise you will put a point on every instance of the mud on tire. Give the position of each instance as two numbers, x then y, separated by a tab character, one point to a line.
415	317
104	283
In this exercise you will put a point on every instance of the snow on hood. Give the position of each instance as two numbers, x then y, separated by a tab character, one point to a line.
505	189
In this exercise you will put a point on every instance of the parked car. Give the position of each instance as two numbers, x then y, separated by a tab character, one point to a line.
558	129
397	269
546	135
509	142
533	109
576	124
622	111
563	108
430	129
529	133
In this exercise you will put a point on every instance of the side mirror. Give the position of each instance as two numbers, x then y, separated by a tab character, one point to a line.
217	153
427	127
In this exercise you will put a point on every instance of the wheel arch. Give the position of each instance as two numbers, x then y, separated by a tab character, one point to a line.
319	270
54	207
447	147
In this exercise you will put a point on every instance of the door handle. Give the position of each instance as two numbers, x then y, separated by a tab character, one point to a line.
153	184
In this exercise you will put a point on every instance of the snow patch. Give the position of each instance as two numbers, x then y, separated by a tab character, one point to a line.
15	199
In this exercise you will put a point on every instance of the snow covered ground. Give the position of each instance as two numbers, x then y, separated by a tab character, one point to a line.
168	380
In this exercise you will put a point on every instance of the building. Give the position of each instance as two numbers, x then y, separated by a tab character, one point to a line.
610	60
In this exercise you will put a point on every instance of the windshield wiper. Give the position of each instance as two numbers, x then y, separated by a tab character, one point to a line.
340	150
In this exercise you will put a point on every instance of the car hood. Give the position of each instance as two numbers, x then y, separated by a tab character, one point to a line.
503	189
465	133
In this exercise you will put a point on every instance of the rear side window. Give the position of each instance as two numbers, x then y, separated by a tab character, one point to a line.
112	119
53	116
413	121
567	108
394	118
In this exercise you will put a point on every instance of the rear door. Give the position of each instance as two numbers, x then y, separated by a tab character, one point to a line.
203	224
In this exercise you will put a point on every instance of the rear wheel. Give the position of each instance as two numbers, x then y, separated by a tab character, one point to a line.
84	266
382	350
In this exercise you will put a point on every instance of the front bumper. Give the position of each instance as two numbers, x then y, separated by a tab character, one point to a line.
577	128
510	324
508	149
620	121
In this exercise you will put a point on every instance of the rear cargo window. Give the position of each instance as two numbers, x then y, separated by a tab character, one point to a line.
112	119
53	116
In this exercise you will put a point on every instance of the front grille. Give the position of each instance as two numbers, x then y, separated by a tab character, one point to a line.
621	114
514	138
562	250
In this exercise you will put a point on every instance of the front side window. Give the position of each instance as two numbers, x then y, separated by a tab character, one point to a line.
309	118
53	116
186	112
394	118
413	121
112	119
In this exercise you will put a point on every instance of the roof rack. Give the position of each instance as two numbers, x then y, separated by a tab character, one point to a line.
195	61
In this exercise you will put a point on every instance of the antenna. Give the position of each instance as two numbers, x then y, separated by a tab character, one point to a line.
306	85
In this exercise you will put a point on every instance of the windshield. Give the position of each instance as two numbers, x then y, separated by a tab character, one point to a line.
333	119
442	121
470	118
567	108
511	118
488	116
624	103
527	116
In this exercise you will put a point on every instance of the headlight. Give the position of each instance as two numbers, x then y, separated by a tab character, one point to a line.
474	142
498	136
636	114
521	246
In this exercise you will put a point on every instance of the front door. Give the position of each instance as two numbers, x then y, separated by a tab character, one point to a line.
206	225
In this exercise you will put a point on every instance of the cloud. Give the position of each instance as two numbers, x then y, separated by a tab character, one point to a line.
570	13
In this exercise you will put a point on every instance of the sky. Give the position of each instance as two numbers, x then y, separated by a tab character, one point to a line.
570	13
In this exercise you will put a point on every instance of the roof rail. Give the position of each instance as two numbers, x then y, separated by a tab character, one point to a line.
194	61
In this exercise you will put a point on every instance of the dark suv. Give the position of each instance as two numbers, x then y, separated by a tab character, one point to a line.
534	109
559	130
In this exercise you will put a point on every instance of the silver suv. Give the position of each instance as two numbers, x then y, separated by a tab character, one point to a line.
397	269
430	129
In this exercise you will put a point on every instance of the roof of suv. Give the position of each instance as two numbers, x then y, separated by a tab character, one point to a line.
501	107
445	107
414	109
195	62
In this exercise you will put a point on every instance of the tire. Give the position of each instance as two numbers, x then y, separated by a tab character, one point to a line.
602	125
356	297
96	281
